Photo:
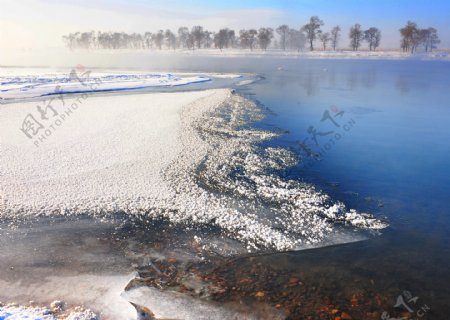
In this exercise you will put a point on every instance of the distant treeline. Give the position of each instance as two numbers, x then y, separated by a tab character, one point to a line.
412	38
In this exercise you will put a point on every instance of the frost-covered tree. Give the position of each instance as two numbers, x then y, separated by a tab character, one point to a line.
335	34
247	38
356	36
283	32
430	39
231	39
296	40
198	34
207	39
183	35
85	40
312	30
136	41
324	37
373	37
70	40
148	39
158	39
221	38
171	39
409	34
190	41
413	37
265	36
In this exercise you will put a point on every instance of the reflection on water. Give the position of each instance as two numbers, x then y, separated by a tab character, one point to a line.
402	84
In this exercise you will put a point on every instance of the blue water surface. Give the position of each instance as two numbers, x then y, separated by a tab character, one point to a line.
393	133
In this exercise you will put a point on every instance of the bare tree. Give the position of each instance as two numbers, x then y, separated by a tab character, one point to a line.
426	37
198	34
409	36
207	39
221	38
356	36
335	34
231	39
252	34
430	39
244	39
171	39
283	31
324	38
158	39
312	29
84	40
373	37
247	38
418	39
148	39
136	41
265	36
190	41
69	40
296	40
183	34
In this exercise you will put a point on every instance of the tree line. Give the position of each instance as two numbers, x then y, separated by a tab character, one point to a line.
283	37
413	37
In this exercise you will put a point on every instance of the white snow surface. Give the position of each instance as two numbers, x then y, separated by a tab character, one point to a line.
185	156
107	155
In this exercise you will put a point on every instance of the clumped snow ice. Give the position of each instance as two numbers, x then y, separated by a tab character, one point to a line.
189	157
238	186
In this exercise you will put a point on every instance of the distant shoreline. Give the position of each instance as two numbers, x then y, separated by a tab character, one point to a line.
341	54
63	57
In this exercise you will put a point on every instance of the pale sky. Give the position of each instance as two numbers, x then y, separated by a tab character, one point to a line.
28	24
